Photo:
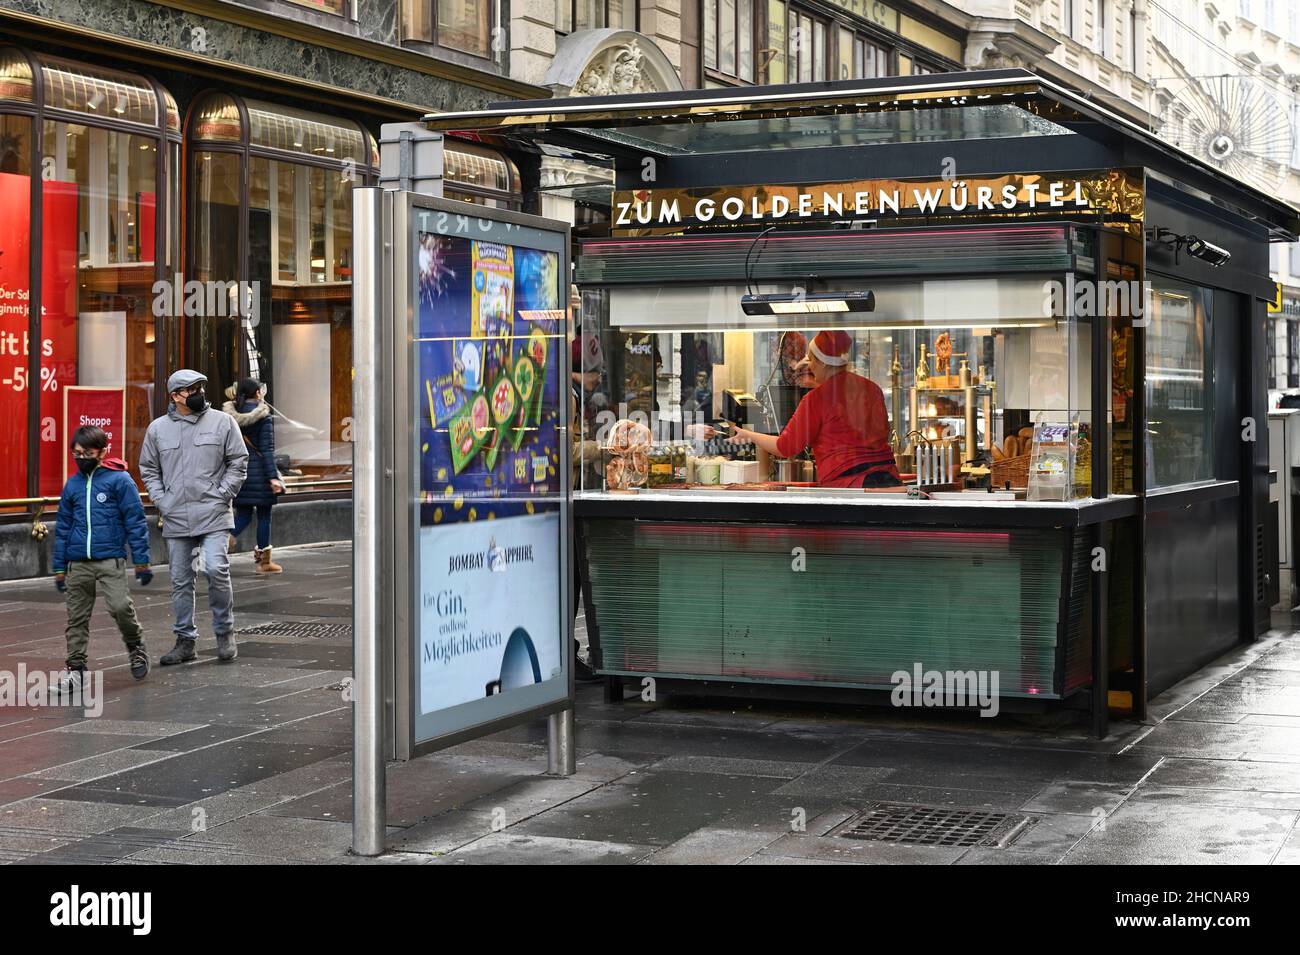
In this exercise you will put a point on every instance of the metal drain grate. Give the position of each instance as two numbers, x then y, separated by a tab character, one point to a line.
932	826
298	630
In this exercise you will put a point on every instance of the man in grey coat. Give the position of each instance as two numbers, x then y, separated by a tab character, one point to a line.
193	463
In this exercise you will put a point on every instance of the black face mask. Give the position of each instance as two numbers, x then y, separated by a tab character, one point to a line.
86	465
196	402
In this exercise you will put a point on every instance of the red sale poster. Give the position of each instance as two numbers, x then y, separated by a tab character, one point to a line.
101	407
15	248
58	325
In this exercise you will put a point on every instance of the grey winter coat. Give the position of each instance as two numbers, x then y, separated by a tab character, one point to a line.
193	466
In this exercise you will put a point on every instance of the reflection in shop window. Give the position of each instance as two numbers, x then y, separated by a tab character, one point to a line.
99	224
728	28
15	256
464	25
572	15
1179	386
297	336
338	7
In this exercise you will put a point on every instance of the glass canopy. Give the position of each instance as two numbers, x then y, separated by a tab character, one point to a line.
935	124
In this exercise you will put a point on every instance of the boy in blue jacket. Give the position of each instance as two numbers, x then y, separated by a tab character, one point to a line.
101	523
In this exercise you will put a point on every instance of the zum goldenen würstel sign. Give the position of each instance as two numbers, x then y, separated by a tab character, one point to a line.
1115	195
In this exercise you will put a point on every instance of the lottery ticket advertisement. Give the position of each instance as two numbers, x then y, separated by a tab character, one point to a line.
488	333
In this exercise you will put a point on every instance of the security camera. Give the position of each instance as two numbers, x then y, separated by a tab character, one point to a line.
1207	251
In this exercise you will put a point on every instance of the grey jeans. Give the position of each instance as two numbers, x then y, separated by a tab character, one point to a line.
190	556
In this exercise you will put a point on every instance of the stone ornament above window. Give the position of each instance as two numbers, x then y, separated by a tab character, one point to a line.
610	62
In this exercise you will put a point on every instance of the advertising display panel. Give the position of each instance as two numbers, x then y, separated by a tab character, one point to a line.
490	569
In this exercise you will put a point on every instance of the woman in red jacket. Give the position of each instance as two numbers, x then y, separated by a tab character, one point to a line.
843	420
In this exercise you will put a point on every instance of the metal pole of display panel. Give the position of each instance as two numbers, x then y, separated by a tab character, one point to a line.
561	760
369	811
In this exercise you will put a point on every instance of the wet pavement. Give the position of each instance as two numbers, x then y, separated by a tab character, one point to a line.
250	762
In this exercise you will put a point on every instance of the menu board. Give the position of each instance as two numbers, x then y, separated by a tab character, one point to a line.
488	590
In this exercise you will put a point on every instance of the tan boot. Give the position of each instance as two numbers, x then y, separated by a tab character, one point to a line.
264	563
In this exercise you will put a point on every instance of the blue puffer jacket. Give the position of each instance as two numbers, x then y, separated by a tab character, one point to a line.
100	517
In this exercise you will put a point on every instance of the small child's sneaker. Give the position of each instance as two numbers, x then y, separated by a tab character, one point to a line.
139	657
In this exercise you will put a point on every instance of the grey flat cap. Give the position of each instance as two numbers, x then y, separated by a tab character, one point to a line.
183	378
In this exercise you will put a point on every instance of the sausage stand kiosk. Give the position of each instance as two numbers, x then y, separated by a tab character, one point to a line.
1065	317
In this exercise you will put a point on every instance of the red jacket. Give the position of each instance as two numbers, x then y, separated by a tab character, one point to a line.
845	423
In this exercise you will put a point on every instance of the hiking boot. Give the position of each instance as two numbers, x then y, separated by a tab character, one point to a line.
183	652
264	563
138	655
71	685
227	650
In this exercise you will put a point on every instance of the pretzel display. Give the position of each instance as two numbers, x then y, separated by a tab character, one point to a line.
629	462
627	436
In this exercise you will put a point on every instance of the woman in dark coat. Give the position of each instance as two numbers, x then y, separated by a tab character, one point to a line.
253	415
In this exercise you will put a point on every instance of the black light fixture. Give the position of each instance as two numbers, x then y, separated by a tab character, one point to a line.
808	303
1207	251
1195	246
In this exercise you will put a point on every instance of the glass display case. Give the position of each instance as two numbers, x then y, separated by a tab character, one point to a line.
965	369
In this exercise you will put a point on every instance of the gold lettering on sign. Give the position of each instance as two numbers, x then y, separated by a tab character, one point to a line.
1114	194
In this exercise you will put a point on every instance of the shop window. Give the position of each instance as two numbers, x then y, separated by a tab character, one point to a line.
464	25
279	305
15	259
674	356
476	174
805	47
573	15
1292	353
337	7
728	28
108	141
1179	386
772	55
867	60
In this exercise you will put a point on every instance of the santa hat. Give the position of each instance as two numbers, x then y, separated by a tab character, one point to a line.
832	347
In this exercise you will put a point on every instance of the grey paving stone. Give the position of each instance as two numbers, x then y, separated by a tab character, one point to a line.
31	754
1079	798
58	817
302	840
23	787
198	738
1218	741
714	847
443	833
509	848
208	771
95	767
1248	799
836	781
731	766
106	848
205	814
653	808
1227	774
1180	834
834	849
153	729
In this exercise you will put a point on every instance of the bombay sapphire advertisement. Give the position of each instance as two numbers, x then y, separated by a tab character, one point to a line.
488	324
